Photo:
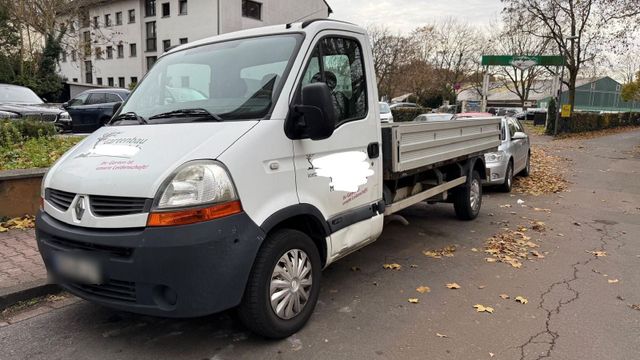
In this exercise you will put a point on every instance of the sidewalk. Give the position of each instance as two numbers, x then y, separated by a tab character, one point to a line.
22	272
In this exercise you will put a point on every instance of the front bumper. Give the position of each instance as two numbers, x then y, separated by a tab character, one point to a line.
496	172
176	271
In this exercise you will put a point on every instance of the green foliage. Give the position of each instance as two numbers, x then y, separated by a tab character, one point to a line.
631	91
407	114
31	144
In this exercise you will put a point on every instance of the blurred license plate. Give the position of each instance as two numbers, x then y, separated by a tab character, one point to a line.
77	267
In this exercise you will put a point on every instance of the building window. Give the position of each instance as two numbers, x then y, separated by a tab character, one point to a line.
166	44
75	80
86	41
98	52
107	20
88	72
150	61
73	55
132	16
84	19
99	80
182	7
134	80
184	40
252	9
151	36
133	51
95	22
150	8
119	18
121	82
120	51
110	81
64	56
109	52
166	9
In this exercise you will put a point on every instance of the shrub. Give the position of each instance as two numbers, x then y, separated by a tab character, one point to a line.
581	122
407	114
17	131
551	117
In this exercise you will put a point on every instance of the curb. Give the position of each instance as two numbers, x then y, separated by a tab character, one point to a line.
14	294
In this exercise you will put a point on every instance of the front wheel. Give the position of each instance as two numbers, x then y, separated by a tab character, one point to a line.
468	199
527	168
284	285
508	179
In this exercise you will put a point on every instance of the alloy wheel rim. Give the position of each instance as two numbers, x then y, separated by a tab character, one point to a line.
474	194
290	285
509	176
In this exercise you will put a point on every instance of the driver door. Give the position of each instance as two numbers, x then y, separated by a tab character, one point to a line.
338	174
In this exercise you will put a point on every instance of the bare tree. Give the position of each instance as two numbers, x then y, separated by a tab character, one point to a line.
577	27
390	53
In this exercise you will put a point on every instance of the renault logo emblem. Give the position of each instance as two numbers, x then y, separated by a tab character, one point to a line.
80	207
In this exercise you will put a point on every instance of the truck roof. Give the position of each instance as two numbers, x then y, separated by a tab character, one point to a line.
309	26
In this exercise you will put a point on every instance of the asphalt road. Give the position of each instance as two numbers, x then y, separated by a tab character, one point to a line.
573	312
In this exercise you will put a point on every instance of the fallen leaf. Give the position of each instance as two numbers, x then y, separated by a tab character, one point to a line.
505	206
504	296
491	354
24	222
612	281
577	223
482	308
447	251
423	289
598	253
540	209
482	286
413	300
537	254
393	266
413	266
453	286
520	202
539	226
521	300
474	249
491	260
635	306
441	335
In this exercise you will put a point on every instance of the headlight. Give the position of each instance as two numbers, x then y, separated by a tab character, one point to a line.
197	191
494	156
64	116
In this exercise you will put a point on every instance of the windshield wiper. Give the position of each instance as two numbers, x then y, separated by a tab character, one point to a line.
196	112
130	116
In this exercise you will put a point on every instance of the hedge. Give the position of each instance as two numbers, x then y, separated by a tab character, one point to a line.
581	122
407	114
17	131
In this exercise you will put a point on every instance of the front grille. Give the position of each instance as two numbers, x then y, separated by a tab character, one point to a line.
111	290
60	199
111	251
114	205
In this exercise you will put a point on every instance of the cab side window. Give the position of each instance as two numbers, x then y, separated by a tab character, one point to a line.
96	98
339	63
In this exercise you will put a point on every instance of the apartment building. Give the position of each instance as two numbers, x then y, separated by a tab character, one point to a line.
114	43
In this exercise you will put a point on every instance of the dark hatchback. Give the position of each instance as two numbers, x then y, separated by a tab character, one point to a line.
93	108
18	102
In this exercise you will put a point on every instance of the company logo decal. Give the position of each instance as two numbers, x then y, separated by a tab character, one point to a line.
79	208
346	171
110	144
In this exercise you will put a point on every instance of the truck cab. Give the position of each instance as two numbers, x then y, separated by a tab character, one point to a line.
238	196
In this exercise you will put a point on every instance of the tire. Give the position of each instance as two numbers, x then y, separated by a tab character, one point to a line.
527	169
508	178
256	310
462	201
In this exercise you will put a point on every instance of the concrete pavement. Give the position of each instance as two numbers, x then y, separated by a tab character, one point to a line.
580	306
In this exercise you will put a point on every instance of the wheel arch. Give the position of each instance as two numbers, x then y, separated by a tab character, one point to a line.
305	218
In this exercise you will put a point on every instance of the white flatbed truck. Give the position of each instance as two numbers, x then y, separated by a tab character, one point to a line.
239	168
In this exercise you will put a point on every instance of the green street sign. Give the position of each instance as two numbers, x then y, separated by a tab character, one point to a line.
523	62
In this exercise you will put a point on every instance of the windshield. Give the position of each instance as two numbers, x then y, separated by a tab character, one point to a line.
233	80
384	108
18	95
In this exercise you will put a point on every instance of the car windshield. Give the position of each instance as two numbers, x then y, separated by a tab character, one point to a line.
18	95
234	80
384	108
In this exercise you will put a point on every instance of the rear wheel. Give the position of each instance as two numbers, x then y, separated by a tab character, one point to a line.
468	199
508	178
284	285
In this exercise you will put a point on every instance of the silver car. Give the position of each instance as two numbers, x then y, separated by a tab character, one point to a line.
385	113
513	155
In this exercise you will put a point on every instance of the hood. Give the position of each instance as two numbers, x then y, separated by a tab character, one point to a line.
31	109
133	161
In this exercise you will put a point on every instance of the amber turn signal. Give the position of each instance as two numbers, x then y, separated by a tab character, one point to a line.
192	216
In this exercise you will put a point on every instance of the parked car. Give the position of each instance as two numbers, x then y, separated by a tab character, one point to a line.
93	108
513	155
434	117
468	115
385	113
21	102
403	105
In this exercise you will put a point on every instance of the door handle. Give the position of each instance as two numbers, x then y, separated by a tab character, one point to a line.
373	150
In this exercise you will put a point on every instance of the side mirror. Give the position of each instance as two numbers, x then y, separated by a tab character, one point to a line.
519	135
65	104
317	108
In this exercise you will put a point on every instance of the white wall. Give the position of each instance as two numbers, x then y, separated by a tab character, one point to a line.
200	22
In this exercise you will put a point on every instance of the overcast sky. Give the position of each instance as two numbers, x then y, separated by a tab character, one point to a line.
406	15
